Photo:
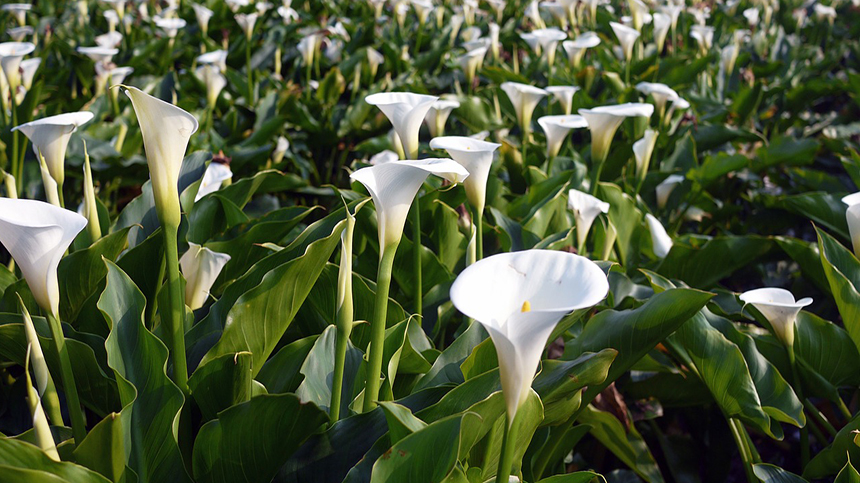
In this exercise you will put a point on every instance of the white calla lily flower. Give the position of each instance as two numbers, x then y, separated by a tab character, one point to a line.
661	242
779	308
556	128
642	151
704	37
662	23
824	12
214	81
525	99
19	11
477	157
28	71
288	14
170	26
626	36
852	216
112	19
519	298
638	11
586	208
752	16
216	57
308	46
166	130
18	34
564	96
438	114
604	121
246	23
374	60
99	54
393	187
200	267
665	188
558	11
660	92
37	234
11	55
471	62
213	178
384	156
50	137
203	15
576	48
405	111
109	40
548	39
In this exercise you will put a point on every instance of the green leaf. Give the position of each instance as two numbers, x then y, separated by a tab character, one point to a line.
103	450
843	272
577	477
848	474
318	368
224	382
83	271
768	473
262	315
704	261
825	209
627	445
250	442
281	373
625	217
401	421
559	382
151	402
833	458
18	456
633	333
786	151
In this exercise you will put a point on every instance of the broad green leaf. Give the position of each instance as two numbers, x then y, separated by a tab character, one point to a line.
262	315
806	255
633	333
17	457
103	450
318	368
625	217
249	442
446	367
559	383
843	272
785	151
825	209
833	458
704	261
848	474
281	373
577	477
224	382
627	444
768	473
151	402
401	421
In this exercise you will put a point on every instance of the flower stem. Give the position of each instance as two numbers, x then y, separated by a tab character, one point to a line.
76	413
250	74
15	166
506	459
418	294
479	238
176	312
377	327
345	315
844	409
804	431
743	449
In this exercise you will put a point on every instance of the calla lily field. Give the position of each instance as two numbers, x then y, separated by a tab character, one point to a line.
430	241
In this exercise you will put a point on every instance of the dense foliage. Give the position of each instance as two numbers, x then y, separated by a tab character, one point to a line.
232	305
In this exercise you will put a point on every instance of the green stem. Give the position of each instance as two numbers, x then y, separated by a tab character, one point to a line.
60	195
79	425
743	449
345	317
250	74
547	453
176	312
804	431
819	418
16	166
479	236
844	409
418	294
377	327
506	459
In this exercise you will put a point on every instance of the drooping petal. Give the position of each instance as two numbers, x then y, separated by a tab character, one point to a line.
37	234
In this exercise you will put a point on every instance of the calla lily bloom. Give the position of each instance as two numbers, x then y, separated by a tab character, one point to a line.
50	137
109	40
665	188
393	187
524	98
603	121
642	150
37	234
98	54
704	37
661	242
752	16
385	156
438	114
548	39
564	95
626	37
471	62
18	34
216	57
519	298
213	80
213	178
405	110
19	11
477	157
575	49
662	22
11	54
200	267
556	129
374	60
28	71
246	22
112	19
638	12
779	308
170	26
586	208
308	46
674	12
824	12
558	11
660	92
203	15
852	215
166	130
288	14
